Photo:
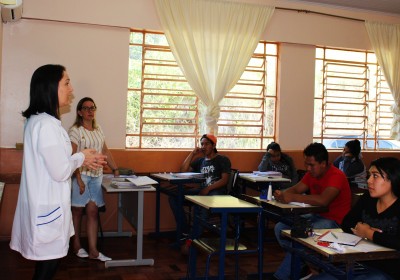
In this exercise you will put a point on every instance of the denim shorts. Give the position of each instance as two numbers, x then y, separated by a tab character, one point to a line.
93	191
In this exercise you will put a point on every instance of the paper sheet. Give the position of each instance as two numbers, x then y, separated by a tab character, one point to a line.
340	238
142	181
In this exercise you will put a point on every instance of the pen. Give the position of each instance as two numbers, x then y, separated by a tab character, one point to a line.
334	235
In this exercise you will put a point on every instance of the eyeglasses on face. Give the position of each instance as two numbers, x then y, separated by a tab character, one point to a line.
87	109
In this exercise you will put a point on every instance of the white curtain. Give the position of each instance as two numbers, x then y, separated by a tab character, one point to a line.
212	41
385	40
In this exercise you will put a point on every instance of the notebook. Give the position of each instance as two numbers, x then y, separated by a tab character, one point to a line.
189	175
142	181
340	238
122	185
268	174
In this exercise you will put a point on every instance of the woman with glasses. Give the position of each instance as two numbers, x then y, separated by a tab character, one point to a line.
376	217
275	160
86	184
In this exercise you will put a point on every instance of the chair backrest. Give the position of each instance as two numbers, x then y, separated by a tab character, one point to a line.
230	187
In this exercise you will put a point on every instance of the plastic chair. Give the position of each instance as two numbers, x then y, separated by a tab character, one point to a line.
231	187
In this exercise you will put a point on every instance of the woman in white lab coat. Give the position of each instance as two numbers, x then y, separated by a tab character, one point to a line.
42	223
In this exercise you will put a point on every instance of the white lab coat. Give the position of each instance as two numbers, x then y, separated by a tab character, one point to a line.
42	223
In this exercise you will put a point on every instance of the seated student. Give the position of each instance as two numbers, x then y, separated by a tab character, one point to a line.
351	164
327	185
215	167
275	160
376	216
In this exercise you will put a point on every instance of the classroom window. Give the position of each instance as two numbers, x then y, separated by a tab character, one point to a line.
352	100
163	111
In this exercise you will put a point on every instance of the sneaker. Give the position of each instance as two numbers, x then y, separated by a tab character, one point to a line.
102	258
82	253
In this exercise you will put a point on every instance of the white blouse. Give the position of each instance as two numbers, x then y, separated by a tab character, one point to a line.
88	139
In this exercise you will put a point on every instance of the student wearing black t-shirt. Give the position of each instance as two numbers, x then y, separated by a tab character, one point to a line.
275	160
376	217
215	167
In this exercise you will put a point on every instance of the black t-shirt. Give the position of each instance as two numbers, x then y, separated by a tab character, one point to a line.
388	221
212	169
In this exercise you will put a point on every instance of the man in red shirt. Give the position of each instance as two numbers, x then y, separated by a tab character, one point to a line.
326	185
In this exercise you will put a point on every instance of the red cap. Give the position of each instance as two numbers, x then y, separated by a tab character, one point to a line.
211	138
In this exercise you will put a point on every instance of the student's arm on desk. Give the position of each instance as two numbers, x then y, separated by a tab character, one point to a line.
384	239
353	220
296	194
378	236
286	195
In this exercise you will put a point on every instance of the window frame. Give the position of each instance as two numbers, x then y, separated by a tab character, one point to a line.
377	97
264	135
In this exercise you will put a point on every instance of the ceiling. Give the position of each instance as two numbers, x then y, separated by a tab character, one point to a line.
385	6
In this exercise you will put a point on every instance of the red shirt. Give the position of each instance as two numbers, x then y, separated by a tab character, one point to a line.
335	178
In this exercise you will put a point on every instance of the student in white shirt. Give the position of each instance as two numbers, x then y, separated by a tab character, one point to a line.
42	223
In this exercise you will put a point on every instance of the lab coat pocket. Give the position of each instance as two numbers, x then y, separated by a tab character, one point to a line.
49	223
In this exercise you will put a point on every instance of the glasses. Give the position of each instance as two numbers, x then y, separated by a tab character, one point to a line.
87	109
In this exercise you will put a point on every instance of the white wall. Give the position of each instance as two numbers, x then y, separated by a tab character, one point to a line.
296	96
96	56
96	60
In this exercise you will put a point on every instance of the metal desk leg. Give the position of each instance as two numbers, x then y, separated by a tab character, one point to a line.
179	214
193	251
222	246
138	213
261	228
295	263
158	209
349	270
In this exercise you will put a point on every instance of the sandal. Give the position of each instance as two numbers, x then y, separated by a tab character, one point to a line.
102	258
82	253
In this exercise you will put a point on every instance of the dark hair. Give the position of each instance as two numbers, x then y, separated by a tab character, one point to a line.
391	167
354	147
274	146
78	119
318	151
44	91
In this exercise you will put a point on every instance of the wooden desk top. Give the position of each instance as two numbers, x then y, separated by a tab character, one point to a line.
220	201
364	250
283	208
